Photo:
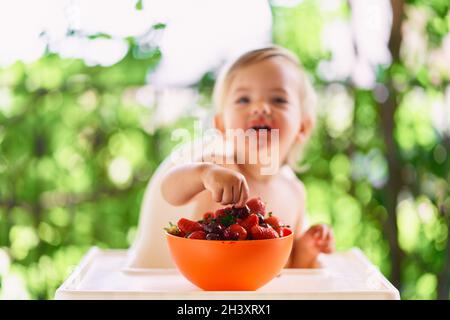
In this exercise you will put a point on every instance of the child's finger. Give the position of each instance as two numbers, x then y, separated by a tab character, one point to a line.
322	232
236	193
327	246
217	195
244	194
325	232
330	235
314	231
330	246
319	234
327	249
322	246
227	197
240	202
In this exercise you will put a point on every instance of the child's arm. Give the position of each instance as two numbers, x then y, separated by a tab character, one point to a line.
184	182
169	187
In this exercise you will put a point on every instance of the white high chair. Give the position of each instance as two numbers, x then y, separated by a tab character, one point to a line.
135	274
103	274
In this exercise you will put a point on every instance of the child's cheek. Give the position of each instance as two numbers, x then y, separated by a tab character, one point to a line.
238	122
233	119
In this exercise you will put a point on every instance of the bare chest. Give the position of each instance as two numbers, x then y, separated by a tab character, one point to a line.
281	202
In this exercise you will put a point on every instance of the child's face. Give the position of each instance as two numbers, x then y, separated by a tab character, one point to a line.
265	95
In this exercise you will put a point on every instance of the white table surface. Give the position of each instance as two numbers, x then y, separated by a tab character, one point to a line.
344	275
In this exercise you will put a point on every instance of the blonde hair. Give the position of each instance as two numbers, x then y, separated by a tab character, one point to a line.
308	97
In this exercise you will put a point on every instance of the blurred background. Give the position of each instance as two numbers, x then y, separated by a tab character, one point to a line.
91	90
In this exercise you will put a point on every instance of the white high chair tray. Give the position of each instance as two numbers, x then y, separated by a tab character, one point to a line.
344	275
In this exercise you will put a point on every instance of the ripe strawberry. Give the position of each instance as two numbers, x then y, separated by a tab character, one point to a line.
239	230
250	221
235	232
208	216
197	235
222	212
259	233
188	226
273	221
256	205
283	231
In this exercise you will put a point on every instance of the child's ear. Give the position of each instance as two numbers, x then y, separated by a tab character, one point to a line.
305	130
218	122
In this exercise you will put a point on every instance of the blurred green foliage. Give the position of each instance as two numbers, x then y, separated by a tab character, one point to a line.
75	158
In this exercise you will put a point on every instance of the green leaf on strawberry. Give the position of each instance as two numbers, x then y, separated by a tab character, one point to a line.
173	229
227	220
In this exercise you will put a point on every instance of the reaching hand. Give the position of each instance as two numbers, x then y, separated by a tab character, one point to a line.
226	186
319	238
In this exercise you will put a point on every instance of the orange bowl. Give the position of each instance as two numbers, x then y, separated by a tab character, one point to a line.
230	265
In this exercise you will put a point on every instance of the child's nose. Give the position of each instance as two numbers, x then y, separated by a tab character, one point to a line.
261	107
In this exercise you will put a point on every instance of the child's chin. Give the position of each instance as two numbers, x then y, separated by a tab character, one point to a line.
261	148
263	141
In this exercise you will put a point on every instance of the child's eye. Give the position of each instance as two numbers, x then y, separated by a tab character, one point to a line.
279	100
243	100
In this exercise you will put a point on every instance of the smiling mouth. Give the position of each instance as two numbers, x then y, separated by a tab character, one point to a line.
261	127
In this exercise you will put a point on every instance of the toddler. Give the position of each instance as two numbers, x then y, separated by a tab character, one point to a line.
265	95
